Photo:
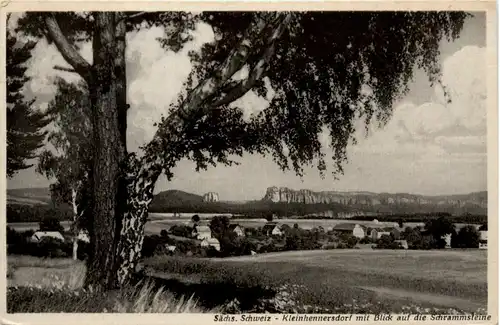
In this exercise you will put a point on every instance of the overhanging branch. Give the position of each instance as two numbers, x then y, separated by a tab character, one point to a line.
257	71
58	67
232	64
169	144
67	50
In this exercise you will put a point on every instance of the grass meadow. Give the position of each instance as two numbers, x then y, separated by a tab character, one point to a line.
332	281
45	285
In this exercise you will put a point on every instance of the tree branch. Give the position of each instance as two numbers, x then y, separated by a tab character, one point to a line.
169	145
67	50
233	63
138	14
58	67
257	71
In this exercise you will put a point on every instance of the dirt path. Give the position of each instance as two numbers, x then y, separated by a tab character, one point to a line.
434	299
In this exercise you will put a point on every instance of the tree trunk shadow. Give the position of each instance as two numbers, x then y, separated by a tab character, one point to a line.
210	294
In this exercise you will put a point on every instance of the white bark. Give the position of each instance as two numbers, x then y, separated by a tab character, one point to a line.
75	217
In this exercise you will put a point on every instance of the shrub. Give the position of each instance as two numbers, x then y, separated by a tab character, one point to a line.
467	237
181	230
350	241
83	250
151	243
387	242
51	224
52	247
329	246
341	246
366	240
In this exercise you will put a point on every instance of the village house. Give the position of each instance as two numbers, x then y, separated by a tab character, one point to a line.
377	233
272	229
37	236
350	228
201	232
237	229
211	242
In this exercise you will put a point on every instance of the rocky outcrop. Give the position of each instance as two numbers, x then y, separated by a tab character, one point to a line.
211	197
286	195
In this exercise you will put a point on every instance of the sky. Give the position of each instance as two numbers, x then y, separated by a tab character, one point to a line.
428	147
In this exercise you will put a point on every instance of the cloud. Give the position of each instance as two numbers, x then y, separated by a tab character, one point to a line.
42	73
438	127
464	76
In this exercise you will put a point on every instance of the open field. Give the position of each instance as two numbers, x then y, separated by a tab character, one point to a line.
445	279
44	272
335	280
41	285
159	222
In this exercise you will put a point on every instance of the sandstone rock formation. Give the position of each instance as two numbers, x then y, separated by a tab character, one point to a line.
211	197
283	194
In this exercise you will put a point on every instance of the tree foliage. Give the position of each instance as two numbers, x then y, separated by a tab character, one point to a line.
25	126
466	237
438	228
327	70
69	165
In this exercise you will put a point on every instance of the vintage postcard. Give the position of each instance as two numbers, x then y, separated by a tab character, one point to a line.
249	162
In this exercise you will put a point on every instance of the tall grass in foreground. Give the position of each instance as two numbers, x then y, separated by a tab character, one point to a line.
144	298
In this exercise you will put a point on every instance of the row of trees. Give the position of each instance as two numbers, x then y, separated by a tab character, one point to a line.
317	63
426	217
27	213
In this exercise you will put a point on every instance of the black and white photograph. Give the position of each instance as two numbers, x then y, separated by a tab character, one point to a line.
248	162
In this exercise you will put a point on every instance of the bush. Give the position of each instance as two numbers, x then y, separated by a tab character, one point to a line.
51	224
341	246
83	250
387	242
181	230
152	244
329	246
366	240
467	237
27	213
53	247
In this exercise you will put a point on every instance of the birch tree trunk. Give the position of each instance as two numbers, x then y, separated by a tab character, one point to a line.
75	228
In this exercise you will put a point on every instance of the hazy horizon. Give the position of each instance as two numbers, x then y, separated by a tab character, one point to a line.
428	148
294	189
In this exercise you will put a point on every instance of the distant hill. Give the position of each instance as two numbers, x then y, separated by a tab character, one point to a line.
286	202
176	198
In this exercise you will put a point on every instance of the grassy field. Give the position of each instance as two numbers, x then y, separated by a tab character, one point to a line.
334	278
41	285
336	281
